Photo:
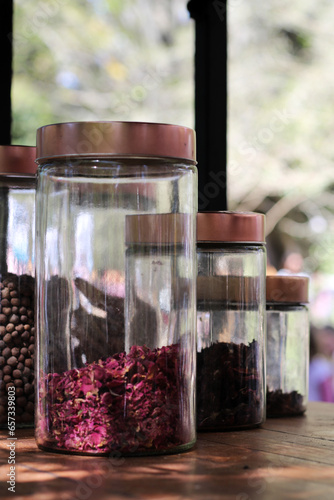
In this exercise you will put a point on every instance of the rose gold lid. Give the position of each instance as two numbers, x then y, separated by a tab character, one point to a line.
231	227
287	288
157	228
115	139
17	160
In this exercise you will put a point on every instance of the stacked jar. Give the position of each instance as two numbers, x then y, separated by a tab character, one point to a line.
230	320
116	345
287	345
17	281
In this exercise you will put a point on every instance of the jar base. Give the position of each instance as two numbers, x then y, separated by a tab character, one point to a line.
117	453
232	428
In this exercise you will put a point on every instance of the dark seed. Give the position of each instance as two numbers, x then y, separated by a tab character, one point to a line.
7	338
6	352
17	373
15	351
12	361
7	370
29	362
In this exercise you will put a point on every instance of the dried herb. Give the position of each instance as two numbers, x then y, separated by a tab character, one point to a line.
229	388
127	403
281	404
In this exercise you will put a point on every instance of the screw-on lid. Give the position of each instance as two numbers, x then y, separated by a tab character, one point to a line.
115	139
157	228
243	227
289	289
17	160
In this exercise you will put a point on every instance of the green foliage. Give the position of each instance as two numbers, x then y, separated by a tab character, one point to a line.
97	60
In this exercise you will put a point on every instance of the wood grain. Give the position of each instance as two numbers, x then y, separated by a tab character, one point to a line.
290	458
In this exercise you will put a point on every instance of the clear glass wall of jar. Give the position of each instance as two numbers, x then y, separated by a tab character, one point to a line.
17	282
109	381
287	345
230	320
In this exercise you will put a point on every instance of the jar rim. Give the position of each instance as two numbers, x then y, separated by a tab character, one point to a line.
114	139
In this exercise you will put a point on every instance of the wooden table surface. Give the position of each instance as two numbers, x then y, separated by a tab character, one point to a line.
286	458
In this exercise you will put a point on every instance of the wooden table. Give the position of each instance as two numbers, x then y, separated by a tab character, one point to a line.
290	458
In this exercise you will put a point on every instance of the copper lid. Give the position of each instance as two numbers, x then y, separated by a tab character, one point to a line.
17	160
157	228
115	139
287	288
245	227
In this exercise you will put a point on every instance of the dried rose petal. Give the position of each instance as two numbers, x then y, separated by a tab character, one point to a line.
128	402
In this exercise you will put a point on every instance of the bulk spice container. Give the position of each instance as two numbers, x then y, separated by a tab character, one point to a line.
116	343
230	320
287	345
17	241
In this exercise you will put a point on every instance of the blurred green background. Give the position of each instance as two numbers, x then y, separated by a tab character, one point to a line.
133	60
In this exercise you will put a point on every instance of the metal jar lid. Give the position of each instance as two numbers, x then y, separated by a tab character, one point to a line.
243	227
18	160
288	289
157	228
107	139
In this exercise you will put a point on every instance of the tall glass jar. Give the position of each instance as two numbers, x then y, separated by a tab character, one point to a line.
288	339
17	281
230	320
103	387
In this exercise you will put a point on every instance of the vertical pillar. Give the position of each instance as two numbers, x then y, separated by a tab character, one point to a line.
6	31
211	100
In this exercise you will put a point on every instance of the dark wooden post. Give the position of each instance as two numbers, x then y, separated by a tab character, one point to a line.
6	47
211	100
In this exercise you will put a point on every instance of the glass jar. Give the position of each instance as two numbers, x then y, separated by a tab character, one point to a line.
287	345
103	387
17	281
230	320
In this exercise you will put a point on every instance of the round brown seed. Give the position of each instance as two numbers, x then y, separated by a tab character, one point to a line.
7	370
7	338
6	352
15	351
29	362
12	361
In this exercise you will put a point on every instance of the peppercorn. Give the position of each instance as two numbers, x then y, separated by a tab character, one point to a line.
17	346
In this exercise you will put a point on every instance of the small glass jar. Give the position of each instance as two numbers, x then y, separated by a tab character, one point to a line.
116	373
17	282
287	345
230	320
